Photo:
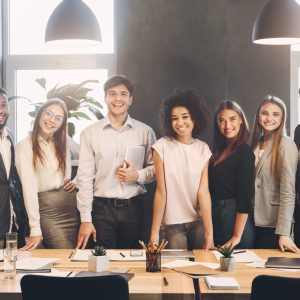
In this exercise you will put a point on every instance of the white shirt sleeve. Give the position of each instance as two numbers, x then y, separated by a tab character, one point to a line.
147	174
30	188
85	178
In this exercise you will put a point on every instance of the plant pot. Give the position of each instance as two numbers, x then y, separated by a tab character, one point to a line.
227	264
98	263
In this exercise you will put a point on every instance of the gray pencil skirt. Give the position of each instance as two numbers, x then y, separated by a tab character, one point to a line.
59	219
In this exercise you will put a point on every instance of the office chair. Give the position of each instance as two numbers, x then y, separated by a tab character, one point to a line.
275	288
38	287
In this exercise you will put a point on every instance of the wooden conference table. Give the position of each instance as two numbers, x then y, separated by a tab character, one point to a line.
146	285
143	285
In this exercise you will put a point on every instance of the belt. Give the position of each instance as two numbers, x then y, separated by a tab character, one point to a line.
116	202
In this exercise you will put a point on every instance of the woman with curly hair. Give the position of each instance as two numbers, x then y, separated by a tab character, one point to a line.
43	163
182	205
231	177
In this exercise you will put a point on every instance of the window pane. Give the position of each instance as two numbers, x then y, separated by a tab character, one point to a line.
27	27
29	88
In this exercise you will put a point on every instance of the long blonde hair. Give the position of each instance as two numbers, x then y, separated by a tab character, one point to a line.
258	134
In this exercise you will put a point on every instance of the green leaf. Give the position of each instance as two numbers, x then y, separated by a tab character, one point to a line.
91	101
41	82
80	115
52	93
71	129
96	112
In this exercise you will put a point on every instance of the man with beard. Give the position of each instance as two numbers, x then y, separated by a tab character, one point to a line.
13	215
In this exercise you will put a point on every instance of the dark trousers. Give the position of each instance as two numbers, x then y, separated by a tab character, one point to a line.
265	238
118	222
223	215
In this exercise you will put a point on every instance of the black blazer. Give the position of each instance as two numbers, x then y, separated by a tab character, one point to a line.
10	188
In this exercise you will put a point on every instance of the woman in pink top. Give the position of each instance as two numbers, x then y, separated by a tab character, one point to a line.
182	204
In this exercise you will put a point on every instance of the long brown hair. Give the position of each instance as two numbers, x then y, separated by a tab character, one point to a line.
258	134
220	141
59	137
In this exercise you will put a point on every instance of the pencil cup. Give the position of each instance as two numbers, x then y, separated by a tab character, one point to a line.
153	261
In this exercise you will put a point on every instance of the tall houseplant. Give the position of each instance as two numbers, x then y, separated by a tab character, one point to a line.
75	97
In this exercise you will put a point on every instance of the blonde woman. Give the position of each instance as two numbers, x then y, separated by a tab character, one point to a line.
276	158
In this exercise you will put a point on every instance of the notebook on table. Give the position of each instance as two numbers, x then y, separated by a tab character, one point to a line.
283	262
221	283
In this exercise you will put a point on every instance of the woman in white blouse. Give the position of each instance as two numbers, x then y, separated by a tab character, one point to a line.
43	164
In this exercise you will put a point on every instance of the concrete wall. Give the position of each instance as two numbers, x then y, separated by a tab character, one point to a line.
205	44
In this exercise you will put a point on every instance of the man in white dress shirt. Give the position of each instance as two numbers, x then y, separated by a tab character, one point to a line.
13	216
110	188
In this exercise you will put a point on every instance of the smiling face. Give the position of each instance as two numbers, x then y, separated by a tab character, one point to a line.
182	123
4	111
270	117
229	122
51	120
118	100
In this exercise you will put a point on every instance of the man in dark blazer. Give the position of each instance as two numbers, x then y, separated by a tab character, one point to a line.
13	215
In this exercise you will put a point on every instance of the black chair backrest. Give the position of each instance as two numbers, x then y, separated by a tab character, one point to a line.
275	288
38	287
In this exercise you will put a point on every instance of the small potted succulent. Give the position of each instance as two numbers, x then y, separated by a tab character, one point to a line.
98	260
227	261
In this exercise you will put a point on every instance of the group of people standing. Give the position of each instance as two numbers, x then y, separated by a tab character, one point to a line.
235	194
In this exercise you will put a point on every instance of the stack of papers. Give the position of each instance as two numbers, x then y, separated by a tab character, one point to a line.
35	264
114	255
221	283
242	256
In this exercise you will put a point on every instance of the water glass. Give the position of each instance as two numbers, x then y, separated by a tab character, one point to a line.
10	255
9	265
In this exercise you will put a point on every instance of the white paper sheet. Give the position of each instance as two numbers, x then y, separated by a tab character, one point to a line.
261	264
114	255
35	263
54	272
179	263
247	256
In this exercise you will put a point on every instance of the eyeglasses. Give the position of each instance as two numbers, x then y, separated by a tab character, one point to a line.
50	115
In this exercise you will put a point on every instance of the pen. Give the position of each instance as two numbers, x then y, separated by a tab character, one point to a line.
166	283
71	254
69	274
122	254
241	251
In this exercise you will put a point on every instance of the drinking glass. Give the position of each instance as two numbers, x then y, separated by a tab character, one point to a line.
10	255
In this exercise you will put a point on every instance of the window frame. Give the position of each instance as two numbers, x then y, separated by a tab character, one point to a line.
12	63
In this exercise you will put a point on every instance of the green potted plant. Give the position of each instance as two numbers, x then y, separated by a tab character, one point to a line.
98	260
75	97
227	261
